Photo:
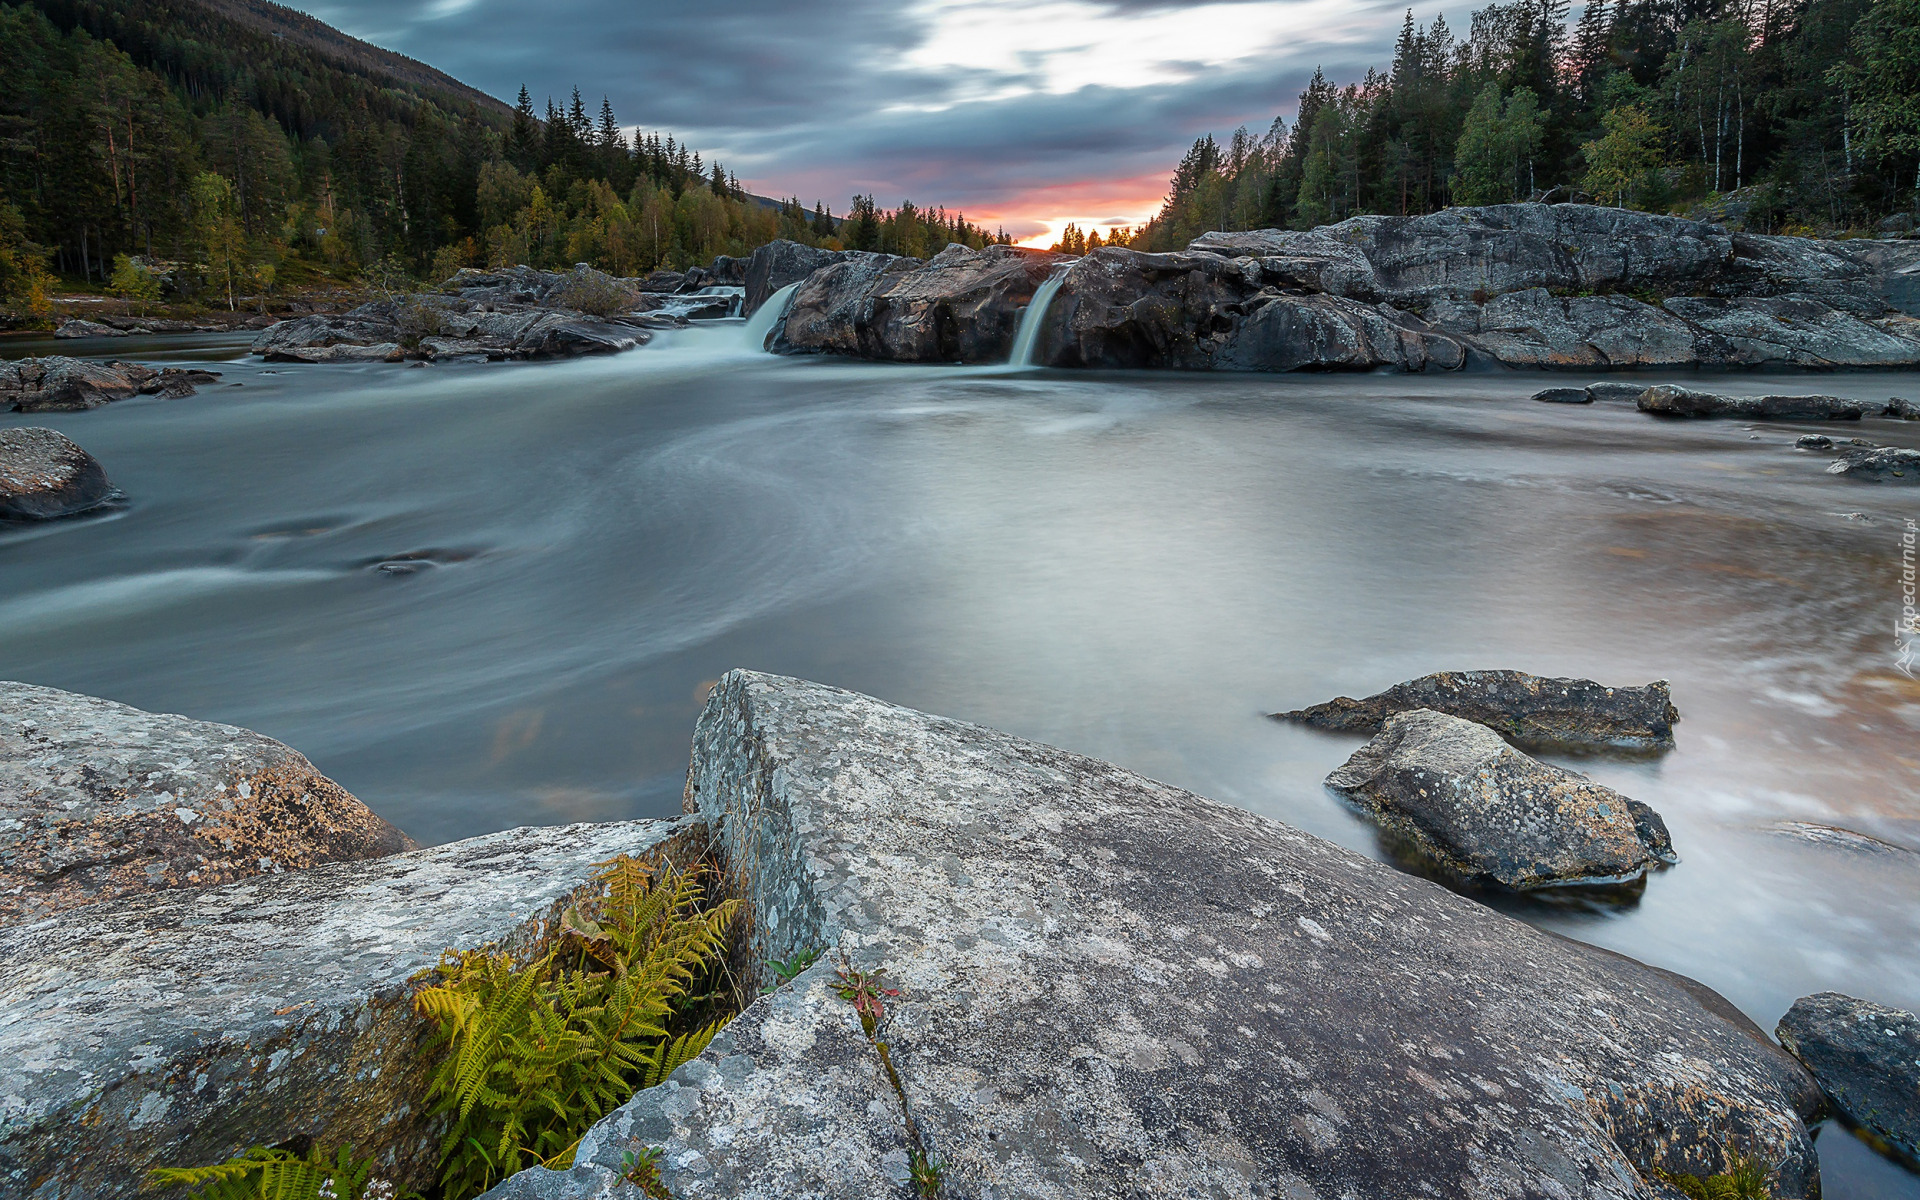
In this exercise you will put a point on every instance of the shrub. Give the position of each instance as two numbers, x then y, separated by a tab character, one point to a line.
596	293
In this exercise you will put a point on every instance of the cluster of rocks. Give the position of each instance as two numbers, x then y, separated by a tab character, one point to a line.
45	475
1526	285
57	383
1355	1028
510	313
1443	783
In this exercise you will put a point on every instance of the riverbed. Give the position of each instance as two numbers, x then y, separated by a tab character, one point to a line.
486	595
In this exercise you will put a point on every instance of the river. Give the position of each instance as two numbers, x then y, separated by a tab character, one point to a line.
486	595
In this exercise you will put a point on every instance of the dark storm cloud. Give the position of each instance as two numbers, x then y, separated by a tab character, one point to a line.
824	101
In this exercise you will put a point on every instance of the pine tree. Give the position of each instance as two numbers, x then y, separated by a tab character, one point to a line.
523	139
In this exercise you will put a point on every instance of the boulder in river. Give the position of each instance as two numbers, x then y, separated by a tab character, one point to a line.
1479	809
44	474
1901	409
1111	987
77	328
57	383
1866	1058
1532	711
180	1028
1882	464
1563	395
1671	400
779	263
100	801
1814	441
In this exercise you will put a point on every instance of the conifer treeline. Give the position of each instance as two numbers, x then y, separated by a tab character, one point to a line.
1796	115
160	130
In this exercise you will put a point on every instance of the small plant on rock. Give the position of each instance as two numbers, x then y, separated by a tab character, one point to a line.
1745	1179
641	1168
788	971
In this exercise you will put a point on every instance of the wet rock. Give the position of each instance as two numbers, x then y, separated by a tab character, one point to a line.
1853	841
86	329
1901	409
1671	400
1122	309
99	801
44	475
779	263
1619	393
1866	1058
57	383
728	270
1532	711
182	1027
835	305
1885	464
1563	395
1112	987
1480	809
1814	441
1534	328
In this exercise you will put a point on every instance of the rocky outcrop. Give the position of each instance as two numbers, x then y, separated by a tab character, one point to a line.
1671	400
1795	330
1456	795
1866	1058
779	263
57	383
44	474
506	313
1534	328
962	305
1880	464
1531	711
86	329
1199	311
182	1027
1901	409
99	801
1108	986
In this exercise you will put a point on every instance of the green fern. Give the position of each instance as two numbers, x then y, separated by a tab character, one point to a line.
270	1174
537	1051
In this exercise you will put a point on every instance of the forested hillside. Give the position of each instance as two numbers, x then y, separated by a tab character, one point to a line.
234	147
1783	115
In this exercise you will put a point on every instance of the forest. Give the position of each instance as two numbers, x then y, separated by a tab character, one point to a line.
151	146
1797	116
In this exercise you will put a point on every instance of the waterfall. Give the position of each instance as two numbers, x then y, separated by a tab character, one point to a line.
761	323
1028	334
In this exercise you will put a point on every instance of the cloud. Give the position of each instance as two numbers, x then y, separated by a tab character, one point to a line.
990	106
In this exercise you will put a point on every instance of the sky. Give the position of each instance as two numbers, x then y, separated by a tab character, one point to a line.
1024	114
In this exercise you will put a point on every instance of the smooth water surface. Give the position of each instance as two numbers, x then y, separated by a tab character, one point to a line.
489	595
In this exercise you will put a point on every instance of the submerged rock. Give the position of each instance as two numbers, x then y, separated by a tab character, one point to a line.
99	801
1109	987
1814	441
1866	1058
182	1027
1884	464
1533	711
779	263
1480	809
962	305
44	474
1619	393
1671	400
1563	395
57	383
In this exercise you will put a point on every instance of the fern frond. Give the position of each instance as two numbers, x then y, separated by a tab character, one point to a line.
670	1056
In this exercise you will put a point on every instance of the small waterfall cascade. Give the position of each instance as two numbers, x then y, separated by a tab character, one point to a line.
761	323
1028	335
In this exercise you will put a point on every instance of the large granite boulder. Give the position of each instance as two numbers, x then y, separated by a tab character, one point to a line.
1672	400
1456	796
779	263
1120	308
1879	464
1532	711
1866	1058
182	1027
44	474
1110	987
962	305
99	801
57	383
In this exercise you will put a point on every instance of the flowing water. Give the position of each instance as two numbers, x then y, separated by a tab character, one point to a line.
1027	336
485	595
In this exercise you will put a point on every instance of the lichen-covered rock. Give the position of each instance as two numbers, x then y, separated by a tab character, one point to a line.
44	474
1109	987
57	383
1534	328
1866	1058
99	801
1532	711
779	263
962	305
1797	330
1477	808
77	328
1315	261
1882	464
1671	400
182	1027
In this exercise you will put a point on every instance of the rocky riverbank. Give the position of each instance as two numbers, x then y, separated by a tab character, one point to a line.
1563	286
